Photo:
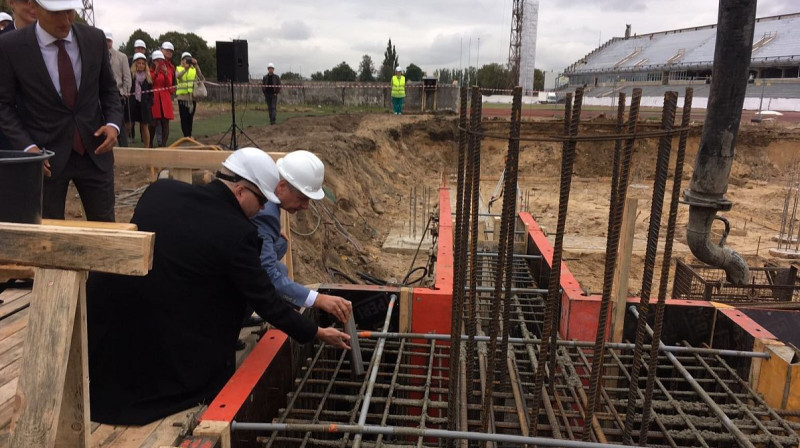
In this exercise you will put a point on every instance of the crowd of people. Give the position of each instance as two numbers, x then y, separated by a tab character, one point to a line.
154	81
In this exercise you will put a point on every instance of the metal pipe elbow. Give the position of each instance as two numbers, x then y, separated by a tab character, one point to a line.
698	236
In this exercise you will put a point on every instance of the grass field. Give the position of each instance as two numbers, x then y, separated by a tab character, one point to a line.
215	118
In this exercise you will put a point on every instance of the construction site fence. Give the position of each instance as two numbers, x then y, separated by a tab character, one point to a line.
767	284
442	98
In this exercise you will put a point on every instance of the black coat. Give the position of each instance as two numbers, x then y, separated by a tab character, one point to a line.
165	342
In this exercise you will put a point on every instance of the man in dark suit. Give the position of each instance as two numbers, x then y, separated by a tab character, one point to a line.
165	342
57	92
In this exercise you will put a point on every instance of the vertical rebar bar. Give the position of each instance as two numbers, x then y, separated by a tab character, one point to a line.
620	178
373	373
459	272
475	155
567	161
658	323
659	189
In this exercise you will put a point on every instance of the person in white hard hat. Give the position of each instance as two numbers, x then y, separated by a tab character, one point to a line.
5	20
24	14
140	100
163	81
41	106
398	90
122	75
271	86
188	74
301	179
165	342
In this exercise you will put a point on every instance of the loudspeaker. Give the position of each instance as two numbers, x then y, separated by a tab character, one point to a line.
232	63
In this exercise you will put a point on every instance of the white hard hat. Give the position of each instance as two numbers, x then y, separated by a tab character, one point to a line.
158	55
139	43
4	17
138	56
304	171
60	5
270	65
186	54
398	69
257	167
167	46
109	36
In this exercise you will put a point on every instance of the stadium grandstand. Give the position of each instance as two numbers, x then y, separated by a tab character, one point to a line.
665	60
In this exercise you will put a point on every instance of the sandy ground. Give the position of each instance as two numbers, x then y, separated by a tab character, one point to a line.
373	160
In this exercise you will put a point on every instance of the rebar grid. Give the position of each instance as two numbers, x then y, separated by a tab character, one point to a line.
411	391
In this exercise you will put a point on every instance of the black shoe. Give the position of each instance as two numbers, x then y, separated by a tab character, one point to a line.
240	345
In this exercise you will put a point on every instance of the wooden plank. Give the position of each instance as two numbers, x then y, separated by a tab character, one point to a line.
47	350
73	424
90	224
181	174
6	413
15	303
217	429
8	390
13	324
11	359
174	158
9	271
406	306
8	344
619	289
286	230
169	431
126	436
114	251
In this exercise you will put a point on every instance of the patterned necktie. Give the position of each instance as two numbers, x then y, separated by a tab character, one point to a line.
69	89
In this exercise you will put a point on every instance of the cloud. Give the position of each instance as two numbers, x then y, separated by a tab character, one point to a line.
294	30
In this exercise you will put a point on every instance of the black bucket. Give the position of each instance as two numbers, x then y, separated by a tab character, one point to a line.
21	176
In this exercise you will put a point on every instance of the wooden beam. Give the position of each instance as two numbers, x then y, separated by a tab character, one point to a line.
113	251
182	174
619	290
215	429
45	366
174	158
90	224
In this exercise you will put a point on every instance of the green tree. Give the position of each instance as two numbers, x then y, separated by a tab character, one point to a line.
287	77
494	76
342	72
317	76
366	69
538	80
127	47
390	61
413	72
444	75
194	44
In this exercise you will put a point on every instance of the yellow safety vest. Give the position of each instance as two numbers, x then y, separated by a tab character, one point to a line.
398	86
186	84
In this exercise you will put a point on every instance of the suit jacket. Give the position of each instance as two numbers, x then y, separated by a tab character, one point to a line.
121	70
165	342
32	111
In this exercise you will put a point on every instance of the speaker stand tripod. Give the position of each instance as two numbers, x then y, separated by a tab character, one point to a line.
234	128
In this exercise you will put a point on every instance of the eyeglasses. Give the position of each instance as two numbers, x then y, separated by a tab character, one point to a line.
261	199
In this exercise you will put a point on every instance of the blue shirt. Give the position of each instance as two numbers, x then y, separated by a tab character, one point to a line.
273	248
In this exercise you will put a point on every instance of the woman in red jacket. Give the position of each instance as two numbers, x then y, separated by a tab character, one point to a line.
162	97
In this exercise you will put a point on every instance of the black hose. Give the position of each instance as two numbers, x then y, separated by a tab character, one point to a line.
371	279
424	270
333	272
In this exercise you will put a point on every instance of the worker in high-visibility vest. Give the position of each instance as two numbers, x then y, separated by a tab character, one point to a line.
398	91
187	75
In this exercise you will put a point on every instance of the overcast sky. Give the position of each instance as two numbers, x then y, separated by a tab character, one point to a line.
314	35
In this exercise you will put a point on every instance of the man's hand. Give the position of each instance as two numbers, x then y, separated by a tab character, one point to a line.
36	150
334	337
111	138
335	305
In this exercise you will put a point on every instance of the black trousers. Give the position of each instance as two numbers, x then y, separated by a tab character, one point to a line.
186	110
272	103
95	187
123	136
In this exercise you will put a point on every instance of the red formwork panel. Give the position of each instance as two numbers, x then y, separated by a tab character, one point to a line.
236	392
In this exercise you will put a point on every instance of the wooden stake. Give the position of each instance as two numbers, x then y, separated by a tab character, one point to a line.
619	291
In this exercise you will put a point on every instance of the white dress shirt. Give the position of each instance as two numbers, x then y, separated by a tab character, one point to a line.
47	44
